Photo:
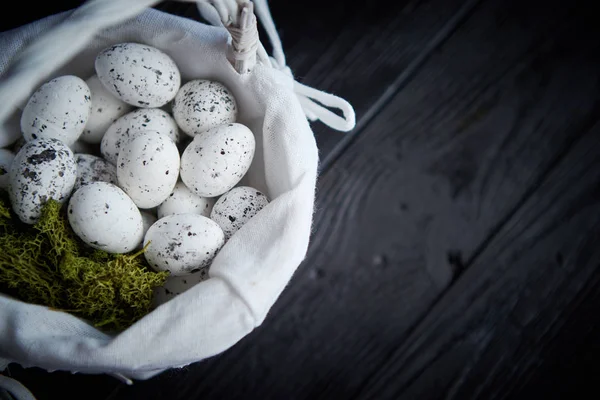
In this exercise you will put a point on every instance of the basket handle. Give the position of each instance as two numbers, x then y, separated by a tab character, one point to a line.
61	43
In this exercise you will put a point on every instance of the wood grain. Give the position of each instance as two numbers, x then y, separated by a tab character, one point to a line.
506	319
411	202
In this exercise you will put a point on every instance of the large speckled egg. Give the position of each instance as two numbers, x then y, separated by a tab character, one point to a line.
182	243
217	159
134	123
183	201
175	285
236	207
59	110
104	217
147	169
43	169
6	159
138	74
106	109
93	169
201	105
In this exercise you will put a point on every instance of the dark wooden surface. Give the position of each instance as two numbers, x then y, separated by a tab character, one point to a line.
455	252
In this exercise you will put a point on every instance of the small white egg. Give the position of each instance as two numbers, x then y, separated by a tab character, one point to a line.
175	285
43	169
93	169
182	243
236	207
104	217
134	123
6	159
217	159
138	74
147	169
201	105
59	110
106	109
183	201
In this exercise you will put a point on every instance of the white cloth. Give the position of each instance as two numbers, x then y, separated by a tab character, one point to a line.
251	270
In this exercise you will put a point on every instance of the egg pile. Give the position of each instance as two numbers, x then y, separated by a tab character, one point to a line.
132	174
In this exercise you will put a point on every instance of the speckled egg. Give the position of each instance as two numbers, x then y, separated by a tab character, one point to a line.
201	105
217	159
175	285
104	217
147	169
6	159
134	123
183	201
59	110
93	169
138	74
106	109
43	169
183	243
236	207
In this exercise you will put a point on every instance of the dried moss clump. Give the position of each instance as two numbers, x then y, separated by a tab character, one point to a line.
47	265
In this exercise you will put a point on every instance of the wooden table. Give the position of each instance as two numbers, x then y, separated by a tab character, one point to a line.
456	249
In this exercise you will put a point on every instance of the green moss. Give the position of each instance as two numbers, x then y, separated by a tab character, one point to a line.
46	264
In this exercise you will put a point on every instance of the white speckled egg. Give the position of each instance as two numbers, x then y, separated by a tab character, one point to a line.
104	217
59	110
93	169
175	285
183	201
43	169
217	159
6	159
201	105
138	74
183	243
134	123
236	207
147	169
106	109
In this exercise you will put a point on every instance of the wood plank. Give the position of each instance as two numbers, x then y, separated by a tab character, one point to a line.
499	329
410	203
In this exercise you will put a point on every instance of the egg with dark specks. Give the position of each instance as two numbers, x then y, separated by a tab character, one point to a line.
134	123
105	218
183	201
106	109
43	169
175	285
93	169
59	109
6	159
148	168
138	74
217	159
236	207
182	243
201	105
